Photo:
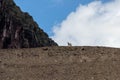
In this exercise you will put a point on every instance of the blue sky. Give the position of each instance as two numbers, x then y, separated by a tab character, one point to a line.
48	13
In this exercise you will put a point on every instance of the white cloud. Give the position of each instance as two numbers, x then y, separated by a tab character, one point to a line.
95	24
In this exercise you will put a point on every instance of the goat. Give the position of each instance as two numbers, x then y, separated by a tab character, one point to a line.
69	44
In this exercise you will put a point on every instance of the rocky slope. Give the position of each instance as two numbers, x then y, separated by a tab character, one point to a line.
19	30
60	63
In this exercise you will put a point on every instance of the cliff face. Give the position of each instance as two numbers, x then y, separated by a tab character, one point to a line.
19	30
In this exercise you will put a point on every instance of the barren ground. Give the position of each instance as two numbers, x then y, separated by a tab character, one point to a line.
60	63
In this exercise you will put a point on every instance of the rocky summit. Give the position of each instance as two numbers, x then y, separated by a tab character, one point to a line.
19	30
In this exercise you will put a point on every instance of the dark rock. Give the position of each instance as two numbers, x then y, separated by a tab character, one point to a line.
83	49
45	49
19	30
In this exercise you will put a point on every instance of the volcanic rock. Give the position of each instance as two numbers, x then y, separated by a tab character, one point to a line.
19	30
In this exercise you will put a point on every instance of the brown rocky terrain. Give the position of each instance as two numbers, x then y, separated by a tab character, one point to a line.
60	63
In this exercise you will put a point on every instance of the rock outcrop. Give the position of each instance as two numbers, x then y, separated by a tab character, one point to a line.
19	30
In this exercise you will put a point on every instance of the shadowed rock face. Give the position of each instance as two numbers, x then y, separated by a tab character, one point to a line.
19	30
